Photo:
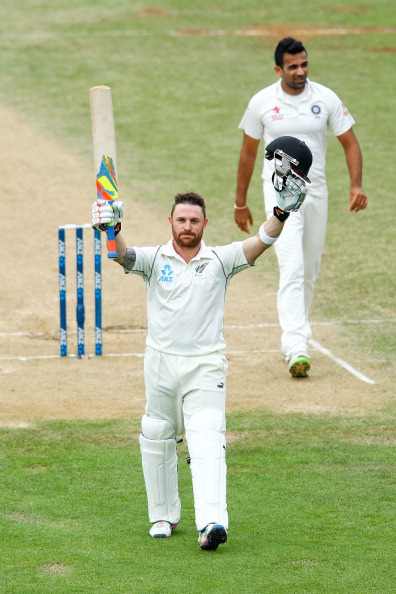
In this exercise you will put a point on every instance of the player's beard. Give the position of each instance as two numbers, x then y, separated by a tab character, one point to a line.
297	84
187	239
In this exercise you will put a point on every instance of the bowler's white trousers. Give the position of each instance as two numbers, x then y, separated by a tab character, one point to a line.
188	393
299	252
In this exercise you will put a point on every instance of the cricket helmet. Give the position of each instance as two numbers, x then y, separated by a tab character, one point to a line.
293	151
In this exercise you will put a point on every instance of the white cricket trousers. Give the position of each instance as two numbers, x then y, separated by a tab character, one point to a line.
188	394
299	252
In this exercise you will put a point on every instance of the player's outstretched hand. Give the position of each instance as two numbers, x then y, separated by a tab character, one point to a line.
242	218
292	195
103	213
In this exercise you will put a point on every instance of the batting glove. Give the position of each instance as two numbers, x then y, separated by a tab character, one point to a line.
104	213
293	193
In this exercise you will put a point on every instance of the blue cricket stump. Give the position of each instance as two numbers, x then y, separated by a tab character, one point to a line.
80	305
62	291
98	291
80	309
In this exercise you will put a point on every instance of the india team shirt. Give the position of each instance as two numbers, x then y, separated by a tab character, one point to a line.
185	302
271	113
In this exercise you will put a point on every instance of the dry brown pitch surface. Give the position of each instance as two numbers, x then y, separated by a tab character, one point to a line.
38	182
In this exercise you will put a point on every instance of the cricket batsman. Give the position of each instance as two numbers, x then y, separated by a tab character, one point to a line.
184	366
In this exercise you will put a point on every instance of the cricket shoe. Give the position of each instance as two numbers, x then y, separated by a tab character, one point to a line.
162	529
299	365
212	536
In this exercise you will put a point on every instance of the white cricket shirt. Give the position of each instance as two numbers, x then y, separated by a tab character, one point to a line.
185	302
272	113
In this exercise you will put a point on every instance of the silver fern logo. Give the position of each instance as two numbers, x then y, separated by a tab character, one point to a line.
200	268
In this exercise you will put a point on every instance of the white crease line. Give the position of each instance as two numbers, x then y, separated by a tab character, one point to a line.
331	323
34	357
120	355
29	358
249	326
341	362
14	333
126	331
229	326
335	322
316	345
252	351
313	343
123	355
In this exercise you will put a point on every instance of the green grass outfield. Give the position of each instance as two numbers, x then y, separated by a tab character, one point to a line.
311	501
310	497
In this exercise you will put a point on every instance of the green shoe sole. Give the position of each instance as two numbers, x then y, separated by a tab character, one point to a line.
300	367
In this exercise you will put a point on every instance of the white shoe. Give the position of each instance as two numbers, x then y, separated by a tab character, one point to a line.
212	536
299	365
162	529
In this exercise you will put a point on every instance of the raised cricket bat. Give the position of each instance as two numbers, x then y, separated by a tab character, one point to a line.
104	148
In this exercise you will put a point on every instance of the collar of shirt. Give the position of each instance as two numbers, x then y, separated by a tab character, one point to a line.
204	252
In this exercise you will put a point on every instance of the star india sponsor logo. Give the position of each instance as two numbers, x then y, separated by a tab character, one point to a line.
277	115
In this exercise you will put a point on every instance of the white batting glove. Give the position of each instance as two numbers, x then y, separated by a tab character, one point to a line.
104	213
292	195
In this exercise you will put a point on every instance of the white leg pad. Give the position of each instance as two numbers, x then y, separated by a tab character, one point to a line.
159	461
206	444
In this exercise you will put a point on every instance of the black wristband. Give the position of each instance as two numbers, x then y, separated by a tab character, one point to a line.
117	228
280	214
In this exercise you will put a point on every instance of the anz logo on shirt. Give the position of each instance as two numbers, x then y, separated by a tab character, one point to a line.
167	273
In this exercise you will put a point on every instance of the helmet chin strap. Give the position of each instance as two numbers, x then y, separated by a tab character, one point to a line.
283	169
293	193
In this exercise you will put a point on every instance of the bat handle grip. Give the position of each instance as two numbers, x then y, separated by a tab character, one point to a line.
111	240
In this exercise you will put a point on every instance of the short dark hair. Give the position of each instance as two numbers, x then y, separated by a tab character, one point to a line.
189	198
288	45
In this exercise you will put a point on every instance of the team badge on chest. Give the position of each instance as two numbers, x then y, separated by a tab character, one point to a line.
199	270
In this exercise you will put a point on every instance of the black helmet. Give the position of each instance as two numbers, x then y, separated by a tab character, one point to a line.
298	152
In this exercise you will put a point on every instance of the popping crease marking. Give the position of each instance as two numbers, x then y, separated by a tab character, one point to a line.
316	346
228	326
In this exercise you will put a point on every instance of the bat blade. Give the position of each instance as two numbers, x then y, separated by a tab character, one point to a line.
104	148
